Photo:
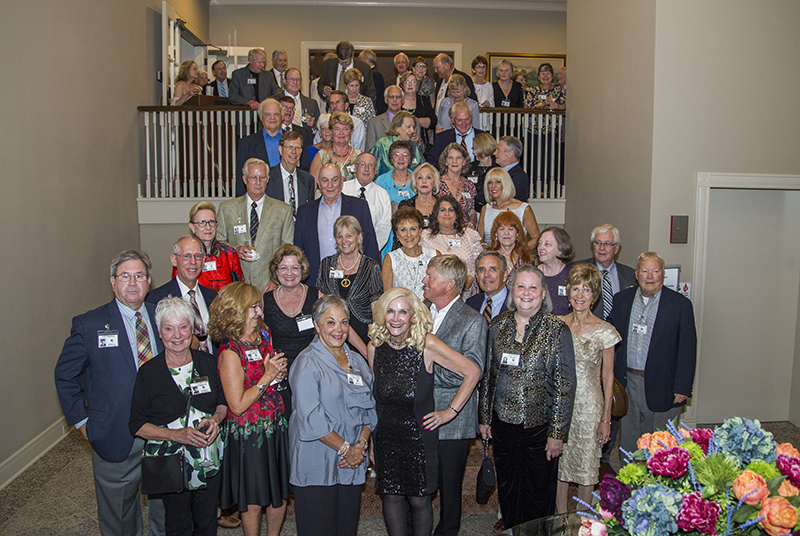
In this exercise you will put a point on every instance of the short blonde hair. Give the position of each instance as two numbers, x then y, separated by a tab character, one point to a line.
509	190
202	205
484	145
647	256
340	118
228	312
586	274
458	82
437	183
421	321
351	75
349	222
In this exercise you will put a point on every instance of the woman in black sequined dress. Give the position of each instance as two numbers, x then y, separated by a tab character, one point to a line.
402	354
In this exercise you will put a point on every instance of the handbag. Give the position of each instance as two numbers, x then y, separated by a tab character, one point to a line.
166	474
619	400
486	478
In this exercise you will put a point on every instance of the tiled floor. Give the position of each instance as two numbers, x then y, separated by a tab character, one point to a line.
56	497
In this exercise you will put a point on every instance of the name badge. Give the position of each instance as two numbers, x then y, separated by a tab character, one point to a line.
251	81
453	243
304	322
200	386
209	266
512	360
404	193
506	103
426	222
239	229
466	195
337	274
351	168
107	339
473	179
542	97
253	355
355	379
562	290
640	329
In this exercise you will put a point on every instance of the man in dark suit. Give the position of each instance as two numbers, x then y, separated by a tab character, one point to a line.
507	155
443	66
333	69
463	330
655	361
287	112
369	57
263	144
306	111
280	60
94	378
313	232
462	132
287	182
187	258
221	83
491	270
250	85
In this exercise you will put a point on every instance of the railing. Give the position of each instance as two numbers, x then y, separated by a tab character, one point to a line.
190	151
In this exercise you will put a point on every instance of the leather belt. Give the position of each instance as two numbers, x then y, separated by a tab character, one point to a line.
636	372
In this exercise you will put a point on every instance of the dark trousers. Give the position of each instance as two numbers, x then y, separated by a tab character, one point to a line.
193	513
452	462
526	480
329	510
609	446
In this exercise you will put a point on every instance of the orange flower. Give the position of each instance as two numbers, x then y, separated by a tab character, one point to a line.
653	442
787	489
748	482
780	517
788	449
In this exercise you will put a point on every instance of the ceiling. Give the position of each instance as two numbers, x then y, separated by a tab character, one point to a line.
523	5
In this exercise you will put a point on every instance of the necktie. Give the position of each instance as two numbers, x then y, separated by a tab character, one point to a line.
280	80
487	311
362	193
464	143
223	89
253	223
143	349
298	116
199	326
340	85
608	295
292	199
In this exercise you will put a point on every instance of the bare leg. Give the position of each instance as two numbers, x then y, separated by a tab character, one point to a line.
562	496
275	518
585	494
251	520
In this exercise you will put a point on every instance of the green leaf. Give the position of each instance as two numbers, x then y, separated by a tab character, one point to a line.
639	456
774	483
708	491
744	513
794	501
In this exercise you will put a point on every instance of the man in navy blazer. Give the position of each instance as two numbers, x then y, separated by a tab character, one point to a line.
252	84
461	119
290	147
94	377
221	84
507	155
444	67
491	270
313	230
187	258
655	361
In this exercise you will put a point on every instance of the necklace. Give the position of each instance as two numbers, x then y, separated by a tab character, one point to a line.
337	155
395	342
400	186
346	280
299	307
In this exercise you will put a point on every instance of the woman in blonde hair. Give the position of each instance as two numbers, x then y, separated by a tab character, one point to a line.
401	355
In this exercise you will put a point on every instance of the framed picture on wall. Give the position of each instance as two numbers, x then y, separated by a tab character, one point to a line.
527	63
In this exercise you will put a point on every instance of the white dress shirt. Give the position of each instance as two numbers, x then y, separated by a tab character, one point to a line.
438	316
380	208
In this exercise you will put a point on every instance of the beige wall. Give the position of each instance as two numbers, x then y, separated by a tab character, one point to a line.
69	159
480	31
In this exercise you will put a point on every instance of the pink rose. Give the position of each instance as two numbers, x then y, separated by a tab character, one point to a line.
592	527
698	514
752	483
671	462
788	449
790	467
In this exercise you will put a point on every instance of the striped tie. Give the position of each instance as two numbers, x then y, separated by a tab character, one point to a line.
143	349
199	327
253	223
487	311
223	89
298	114
608	295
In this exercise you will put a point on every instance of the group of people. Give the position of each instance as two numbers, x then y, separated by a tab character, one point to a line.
327	320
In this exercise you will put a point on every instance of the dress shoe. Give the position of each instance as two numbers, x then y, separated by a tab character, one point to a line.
228	522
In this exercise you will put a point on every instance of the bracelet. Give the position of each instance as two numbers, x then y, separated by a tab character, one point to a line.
606	422
363	442
343	449
454	409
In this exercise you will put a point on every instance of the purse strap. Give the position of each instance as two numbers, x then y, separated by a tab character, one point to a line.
485	448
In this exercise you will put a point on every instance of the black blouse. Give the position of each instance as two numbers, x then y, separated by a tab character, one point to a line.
285	335
514	96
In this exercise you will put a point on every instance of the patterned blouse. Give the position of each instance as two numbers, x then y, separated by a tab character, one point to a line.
220	267
347	168
468	193
363	108
535	98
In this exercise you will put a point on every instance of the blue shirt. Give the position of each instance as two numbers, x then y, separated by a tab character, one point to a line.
396	194
497	301
271	143
325	219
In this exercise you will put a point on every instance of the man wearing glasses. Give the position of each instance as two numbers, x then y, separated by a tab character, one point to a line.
380	205
255	224
94	378
287	182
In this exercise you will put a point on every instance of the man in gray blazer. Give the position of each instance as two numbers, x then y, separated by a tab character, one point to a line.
252	84
378	125
464	330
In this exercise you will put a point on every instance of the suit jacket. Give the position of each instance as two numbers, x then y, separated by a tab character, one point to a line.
377	127
308	140
522	183
275	229
476	302
171	288
672	354
626	276
380	88
242	92
328	77
215	85
306	236
464	331
310	106
442	140
305	185
467	78
253	146
98	382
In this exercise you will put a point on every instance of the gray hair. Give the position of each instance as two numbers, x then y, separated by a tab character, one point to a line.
131	255
368	55
606	228
174	308
326	302
176	250
513	143
254	162
547	303
450	267
278	51
492	253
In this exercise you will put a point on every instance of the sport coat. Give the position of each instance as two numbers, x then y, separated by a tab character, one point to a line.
171	288
626	276
242	92
465	331
97	383
380	87
305	185
476	302
253	146
672	354
310	106
442	140
215	85
306	236
328	77
522	183
275	229
467	78
377	127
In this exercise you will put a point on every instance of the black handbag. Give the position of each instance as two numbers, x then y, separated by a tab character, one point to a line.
165	474
486	479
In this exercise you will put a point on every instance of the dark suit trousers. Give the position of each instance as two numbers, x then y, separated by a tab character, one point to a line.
452	463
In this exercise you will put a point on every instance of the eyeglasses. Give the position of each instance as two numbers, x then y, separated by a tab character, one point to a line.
368	165
284	269
293	148
189	256
126	277
257	306
256	178
206	223
598	243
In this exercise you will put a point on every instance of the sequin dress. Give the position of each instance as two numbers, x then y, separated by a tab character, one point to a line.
406	455
580	461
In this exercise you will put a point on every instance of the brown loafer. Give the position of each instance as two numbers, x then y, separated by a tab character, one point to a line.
498	527
228	522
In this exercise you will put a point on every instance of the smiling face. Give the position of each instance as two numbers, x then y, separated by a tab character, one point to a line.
347	241
188	262
507	236
581	297
446	216
462	120
650	276
480	70
400	158
458	93
256	63
528	294
256	181
341	134
406	129
290	153
394	99
401	64
254	318
131	292
548	248
271	117
604	248
220	71
330	183
333	327
280	61
455	161
208	231
495	187
293	81
545	77
398	318
194	72
504	155
289	272
366	165
176	334
408	233
436	288
490	274
287	110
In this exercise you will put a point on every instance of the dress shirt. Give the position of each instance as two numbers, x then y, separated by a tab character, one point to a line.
438	316
198	298
259	207
285	174
442	92
279	78
271	143
497	301
643	312
222	84
380	207
339	71
298	107
325	220
129	319
468	139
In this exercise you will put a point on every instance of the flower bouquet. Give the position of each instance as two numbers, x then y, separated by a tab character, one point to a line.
733	480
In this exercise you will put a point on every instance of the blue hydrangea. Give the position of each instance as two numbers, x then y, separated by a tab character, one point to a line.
652	510
745	440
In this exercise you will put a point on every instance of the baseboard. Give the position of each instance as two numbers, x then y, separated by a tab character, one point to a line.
37	447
